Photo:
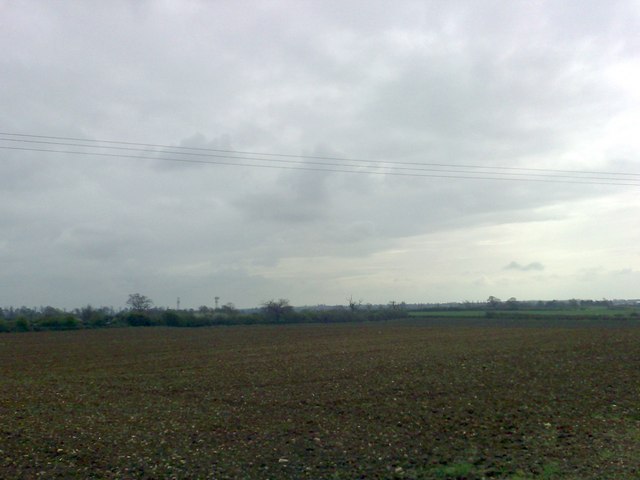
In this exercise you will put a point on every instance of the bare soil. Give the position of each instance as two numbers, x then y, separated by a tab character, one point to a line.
384	400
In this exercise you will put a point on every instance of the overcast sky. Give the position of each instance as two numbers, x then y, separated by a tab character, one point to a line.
548	85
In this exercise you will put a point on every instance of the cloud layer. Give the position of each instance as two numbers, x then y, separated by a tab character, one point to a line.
544	85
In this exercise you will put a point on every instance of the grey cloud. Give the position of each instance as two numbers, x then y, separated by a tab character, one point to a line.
534	266
625	271
295	196
278	208
92	242
493	111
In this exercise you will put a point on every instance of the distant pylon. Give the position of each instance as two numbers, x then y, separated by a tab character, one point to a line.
217	300
178	304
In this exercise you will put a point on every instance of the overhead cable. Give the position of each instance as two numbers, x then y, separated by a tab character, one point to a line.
303	161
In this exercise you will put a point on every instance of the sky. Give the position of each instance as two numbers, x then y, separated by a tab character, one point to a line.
540	94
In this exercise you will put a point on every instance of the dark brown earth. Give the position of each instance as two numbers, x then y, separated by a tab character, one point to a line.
323	402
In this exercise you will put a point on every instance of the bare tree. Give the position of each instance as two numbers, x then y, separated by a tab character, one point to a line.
277	309
353	305
139	303
229	309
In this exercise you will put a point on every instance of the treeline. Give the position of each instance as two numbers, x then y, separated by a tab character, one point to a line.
495	304
274	312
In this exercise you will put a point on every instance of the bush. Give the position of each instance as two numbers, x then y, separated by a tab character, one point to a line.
139	319
98	319
70	322
67	322
171	318
93	318
193	321
22	325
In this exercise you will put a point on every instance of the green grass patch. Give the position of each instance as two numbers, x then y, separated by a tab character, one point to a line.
450	314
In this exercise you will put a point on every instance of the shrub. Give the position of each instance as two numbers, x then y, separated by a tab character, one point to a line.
22	324
98	319
171	318
67	322
139	319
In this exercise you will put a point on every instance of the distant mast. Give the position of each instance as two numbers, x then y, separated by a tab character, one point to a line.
178	304
217	299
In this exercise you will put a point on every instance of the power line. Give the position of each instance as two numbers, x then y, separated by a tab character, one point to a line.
474	176
313	157
298	162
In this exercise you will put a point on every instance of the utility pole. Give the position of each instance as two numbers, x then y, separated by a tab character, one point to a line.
217	300
178	304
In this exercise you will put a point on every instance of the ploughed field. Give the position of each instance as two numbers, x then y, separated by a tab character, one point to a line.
383	400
